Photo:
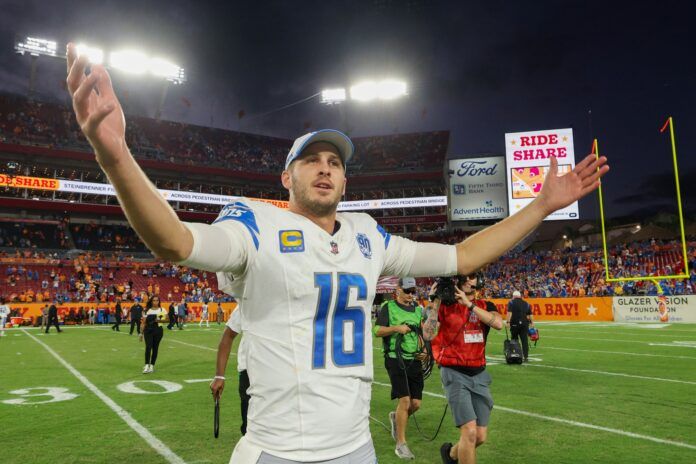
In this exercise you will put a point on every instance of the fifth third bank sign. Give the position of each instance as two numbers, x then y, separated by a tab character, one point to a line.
477	188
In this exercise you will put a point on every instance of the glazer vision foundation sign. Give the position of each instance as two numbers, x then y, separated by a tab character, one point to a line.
477	188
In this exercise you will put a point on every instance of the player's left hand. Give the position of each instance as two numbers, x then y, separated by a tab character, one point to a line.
561	191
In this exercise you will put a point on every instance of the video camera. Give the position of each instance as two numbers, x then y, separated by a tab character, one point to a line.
445	286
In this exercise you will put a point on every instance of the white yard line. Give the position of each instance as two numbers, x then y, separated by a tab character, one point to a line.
142	432
642	333
624	433
615	374
627	353
199	346
596	339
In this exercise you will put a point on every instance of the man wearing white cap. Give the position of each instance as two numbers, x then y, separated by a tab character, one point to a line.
519	319
304	277
395	324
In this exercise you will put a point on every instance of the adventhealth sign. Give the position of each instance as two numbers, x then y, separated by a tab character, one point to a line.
477	188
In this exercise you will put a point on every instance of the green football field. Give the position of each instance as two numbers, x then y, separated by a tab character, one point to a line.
607	393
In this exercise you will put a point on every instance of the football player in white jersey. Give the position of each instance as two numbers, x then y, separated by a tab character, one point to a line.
4	314
304	277
204	315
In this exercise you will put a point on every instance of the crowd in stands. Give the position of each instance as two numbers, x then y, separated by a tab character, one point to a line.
48	234
53	125
92	277
580	272
400	152
97	277
102	237
37	234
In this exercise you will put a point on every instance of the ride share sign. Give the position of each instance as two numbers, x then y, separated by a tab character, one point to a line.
477	188
528	158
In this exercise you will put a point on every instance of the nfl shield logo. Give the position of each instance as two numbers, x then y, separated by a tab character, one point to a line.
334	248
364	245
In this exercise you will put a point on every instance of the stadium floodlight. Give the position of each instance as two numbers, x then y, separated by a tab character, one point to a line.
130	61
35	46
333	96
95	55
364	91
170	71
390	89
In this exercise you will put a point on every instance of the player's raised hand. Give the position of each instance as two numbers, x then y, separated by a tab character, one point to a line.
560	191
97	109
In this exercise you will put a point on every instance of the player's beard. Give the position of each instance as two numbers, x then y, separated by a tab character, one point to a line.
319	207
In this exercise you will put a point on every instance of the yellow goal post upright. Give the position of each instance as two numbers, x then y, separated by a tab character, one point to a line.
654	279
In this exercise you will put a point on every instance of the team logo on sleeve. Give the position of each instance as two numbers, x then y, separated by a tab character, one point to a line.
364	245
291	241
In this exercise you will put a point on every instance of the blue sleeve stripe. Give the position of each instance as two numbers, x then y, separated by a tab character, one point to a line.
253	230
240	212
386	235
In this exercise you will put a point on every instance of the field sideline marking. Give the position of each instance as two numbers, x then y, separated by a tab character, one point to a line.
617	374
619	352
191	344
597	339
645	332
573	423
199	346
142	432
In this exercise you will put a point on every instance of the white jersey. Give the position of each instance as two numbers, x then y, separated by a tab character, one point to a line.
4	311
235	323
305	297
204	312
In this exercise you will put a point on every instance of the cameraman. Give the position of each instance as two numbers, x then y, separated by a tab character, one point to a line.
394	324
460	350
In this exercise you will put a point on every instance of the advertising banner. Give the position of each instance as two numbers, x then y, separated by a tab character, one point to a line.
94	188
528	157
477	188
31	312
585	309
679	308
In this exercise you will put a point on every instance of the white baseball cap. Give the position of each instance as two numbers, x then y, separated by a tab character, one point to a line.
336	138
407	282
516	294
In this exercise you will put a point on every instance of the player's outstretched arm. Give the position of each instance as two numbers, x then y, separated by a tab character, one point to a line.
101	119
557	193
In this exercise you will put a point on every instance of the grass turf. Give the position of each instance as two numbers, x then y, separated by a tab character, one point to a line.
592	393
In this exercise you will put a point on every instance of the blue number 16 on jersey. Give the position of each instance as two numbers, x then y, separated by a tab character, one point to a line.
341	314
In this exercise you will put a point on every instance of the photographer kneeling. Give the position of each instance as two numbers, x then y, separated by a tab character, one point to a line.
398	323
462	323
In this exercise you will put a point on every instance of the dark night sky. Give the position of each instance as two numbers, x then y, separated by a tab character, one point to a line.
478	69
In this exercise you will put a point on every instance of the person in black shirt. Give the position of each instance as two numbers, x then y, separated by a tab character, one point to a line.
53	317
118	312
136	315
172	316
152	332
519	318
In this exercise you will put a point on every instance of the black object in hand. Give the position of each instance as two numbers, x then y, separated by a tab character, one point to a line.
445	290
216	420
